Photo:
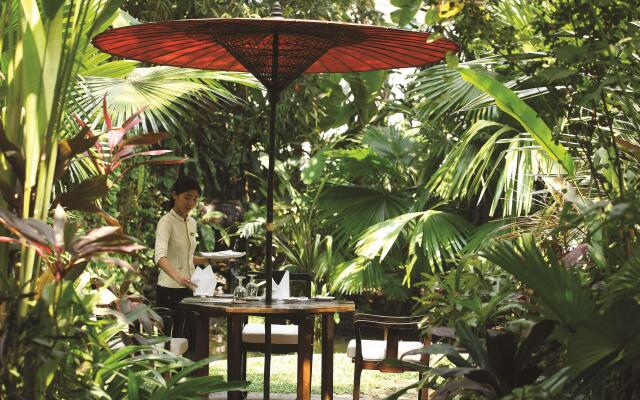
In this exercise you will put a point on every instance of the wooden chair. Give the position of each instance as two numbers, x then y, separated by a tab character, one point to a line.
371	354
284	337
176	345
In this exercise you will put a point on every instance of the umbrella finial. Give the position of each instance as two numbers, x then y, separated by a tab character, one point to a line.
276	10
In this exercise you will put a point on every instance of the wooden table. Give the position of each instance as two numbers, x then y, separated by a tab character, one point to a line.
301	313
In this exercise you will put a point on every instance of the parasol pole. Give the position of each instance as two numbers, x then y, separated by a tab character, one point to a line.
274	94
273	102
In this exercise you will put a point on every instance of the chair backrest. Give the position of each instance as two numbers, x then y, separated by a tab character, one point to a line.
394	328
300	282
139	335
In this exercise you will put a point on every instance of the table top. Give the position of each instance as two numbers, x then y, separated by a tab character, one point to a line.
280	308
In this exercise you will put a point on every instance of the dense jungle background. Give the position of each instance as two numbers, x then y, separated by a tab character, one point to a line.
495	193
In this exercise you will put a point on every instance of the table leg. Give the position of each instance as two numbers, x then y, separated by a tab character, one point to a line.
328	327
201	345
305	358
266	386
234	364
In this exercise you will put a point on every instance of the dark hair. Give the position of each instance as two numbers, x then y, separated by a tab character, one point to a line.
183	184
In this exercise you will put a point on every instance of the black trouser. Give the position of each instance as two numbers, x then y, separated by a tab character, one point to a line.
169	298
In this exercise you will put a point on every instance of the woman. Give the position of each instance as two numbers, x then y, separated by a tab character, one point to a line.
175	246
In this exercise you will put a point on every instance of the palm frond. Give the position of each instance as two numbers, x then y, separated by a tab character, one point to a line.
560	292
625	283
493	160
166	93
439	234
96	63
440	91
483	236
353	209
391	143
362	275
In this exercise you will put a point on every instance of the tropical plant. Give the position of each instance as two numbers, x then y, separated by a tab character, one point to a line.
566	177
495	366
40	43
477	293
52	347
65	256
600	337
75	357
164	93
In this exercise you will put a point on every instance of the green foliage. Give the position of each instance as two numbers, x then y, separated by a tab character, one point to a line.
439	235
571	251
480	294
511	104
39	46
503	362
164	93
407	9
355	208
76	358
535	122
561	293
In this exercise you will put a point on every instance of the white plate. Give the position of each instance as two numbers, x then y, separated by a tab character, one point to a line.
294	299
254	298
223	255
196	300
324	298
224	295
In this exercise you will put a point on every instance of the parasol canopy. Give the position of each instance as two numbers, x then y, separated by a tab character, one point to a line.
249	45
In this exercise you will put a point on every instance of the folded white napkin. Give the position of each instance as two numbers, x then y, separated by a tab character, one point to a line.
205	281
281	291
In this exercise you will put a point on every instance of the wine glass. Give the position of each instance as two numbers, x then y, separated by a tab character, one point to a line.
252	287
240	293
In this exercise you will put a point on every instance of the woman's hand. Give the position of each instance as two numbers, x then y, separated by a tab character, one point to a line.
186	281
175	275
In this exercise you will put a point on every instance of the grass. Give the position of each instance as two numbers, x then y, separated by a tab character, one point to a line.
283	376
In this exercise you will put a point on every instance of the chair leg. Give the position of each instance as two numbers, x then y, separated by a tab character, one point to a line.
243	371
356	381
423	394
243	366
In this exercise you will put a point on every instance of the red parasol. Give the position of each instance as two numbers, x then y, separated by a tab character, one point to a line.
276	51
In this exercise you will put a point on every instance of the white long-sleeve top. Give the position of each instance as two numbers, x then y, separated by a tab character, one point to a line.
176	240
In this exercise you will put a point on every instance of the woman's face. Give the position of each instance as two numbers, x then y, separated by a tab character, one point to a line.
185	201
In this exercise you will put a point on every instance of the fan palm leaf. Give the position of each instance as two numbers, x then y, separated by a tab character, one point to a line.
353	209
493	159
166	93
484	235
509	102
391	143
362	275
440	235
559	290
96	63
440	92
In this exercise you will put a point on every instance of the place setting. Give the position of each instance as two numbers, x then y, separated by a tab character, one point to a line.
206	281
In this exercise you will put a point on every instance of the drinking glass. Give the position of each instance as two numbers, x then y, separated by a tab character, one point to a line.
252	287
240	293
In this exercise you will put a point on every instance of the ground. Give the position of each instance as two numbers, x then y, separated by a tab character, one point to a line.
374	384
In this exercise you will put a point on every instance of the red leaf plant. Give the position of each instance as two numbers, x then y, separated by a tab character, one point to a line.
64	252
119	149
